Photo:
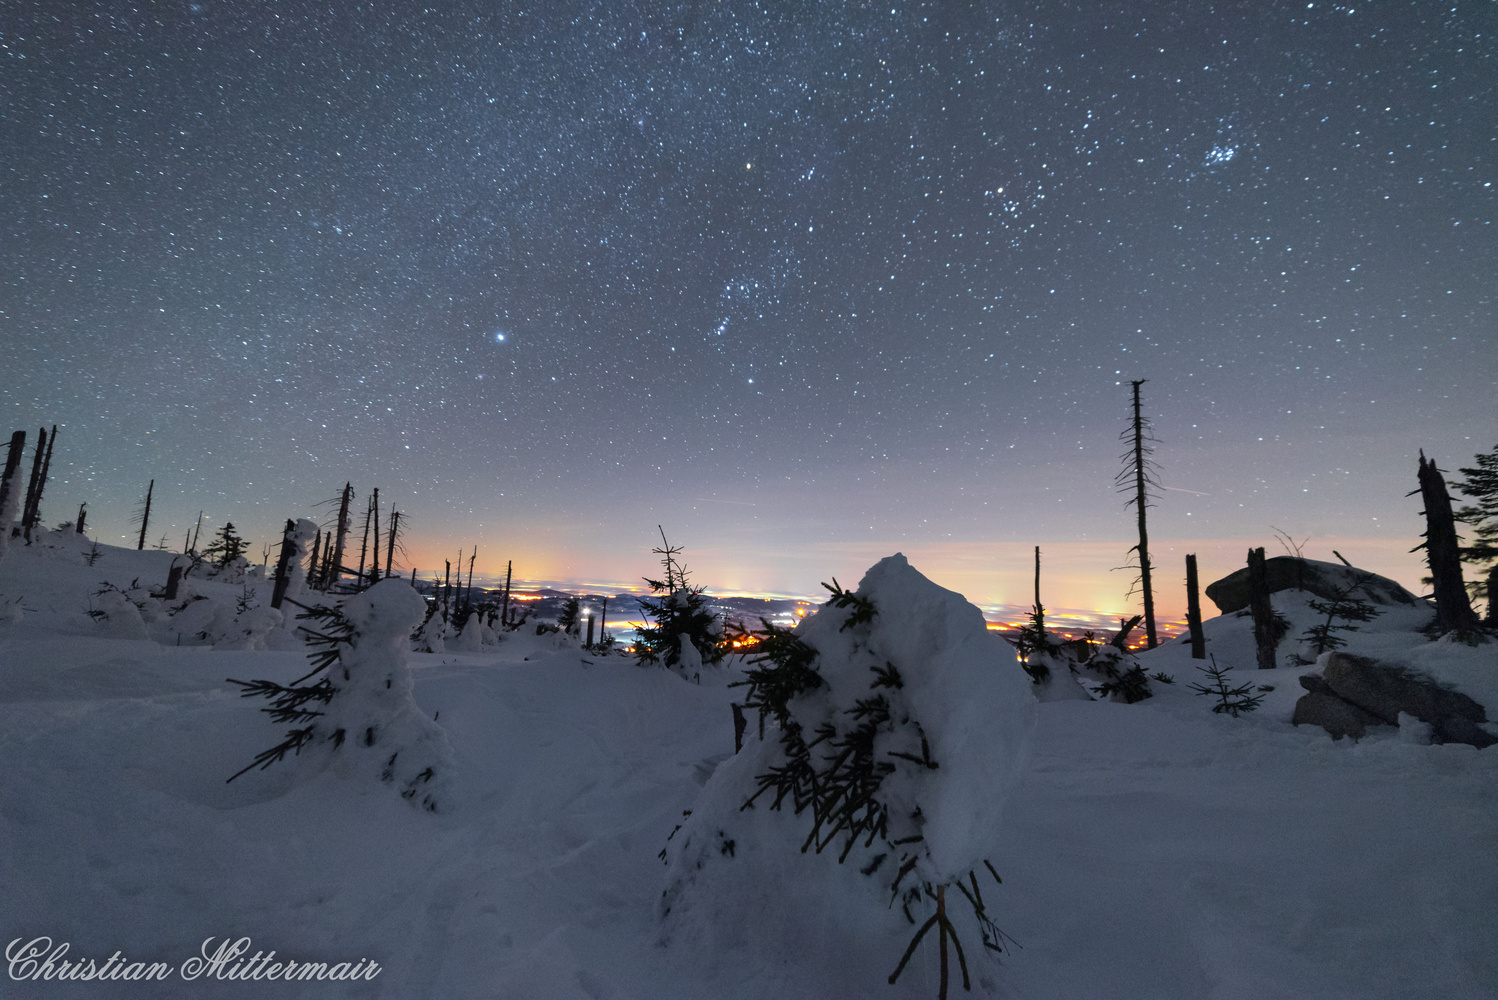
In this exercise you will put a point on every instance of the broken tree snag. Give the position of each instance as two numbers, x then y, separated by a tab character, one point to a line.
363	548
1125	626
374	506
332	579
504	611
1194	611
1266	633
41	484
1442	551
78	524
8	481
145	516
395	523
740	724
312	563
283	565
173	578
36	472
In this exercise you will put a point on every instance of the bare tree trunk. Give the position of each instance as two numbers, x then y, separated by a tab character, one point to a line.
374	506
196	531
470	580
504	613
1266	633
312	563
343	527
603	621
82	513
395	522
283	565
1443	552
173	578
8	482
41	483
1194	611
145	516
1141	501
36	473
363	551
447	587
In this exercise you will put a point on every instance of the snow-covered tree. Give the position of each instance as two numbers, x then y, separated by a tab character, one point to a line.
897	725
682	633
359	709
471	639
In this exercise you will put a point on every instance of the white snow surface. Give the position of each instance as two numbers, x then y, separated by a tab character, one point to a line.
1149	850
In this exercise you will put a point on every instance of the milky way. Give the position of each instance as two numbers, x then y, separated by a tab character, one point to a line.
779	276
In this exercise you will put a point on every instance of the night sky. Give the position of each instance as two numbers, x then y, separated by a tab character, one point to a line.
804	283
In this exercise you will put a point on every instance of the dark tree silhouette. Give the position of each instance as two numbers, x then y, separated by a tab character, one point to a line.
1137	479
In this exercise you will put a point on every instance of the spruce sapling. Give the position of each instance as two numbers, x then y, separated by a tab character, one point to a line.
683	634
1233	701
1322	637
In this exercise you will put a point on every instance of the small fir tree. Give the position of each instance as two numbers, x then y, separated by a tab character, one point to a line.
571	618
1343	605
1232	701
683	635
226	546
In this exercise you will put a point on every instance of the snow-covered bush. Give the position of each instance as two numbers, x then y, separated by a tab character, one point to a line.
432	636
118	616
367	711
898	727
471	639
1119	674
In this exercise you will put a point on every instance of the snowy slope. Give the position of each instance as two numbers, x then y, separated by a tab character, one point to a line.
1150	850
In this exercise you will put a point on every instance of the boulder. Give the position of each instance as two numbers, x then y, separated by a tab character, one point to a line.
1325	580
1383	690
1320	707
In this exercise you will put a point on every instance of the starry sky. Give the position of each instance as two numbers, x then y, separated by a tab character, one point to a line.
804	283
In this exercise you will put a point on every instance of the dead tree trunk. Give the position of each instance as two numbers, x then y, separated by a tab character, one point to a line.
374	506
343	526
8	482
1194	611
363	550
283	565
1141	502
41	483
36	473
504	612
312	562
447	588
82	513
470	581
1266	629
196	531
145	516
173	579
395	523
1443	552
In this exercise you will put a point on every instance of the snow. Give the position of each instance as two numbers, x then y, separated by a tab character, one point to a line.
1147	850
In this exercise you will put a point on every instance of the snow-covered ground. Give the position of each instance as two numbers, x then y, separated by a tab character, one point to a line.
1153	850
